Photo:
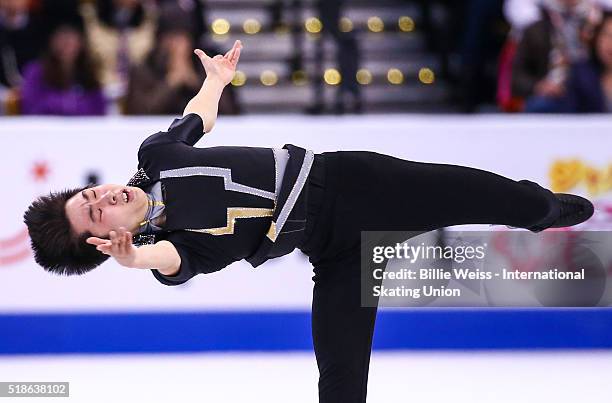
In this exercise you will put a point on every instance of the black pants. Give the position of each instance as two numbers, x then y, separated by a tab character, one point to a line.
351	191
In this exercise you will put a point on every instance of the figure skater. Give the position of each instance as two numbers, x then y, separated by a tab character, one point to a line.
192	210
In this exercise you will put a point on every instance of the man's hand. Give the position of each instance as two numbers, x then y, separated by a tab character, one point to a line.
118	246
220	71
221	67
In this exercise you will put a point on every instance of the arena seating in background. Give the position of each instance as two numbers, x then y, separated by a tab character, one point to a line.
267	55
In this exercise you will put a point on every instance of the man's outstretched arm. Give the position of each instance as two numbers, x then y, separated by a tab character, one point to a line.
220	71
162	255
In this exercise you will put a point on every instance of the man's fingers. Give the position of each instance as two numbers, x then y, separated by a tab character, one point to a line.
236	56
236	52
106	249
230	53
126	241
120	239
93	240
115	243
117	246
200	53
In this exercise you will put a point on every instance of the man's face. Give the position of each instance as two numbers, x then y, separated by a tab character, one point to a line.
103	208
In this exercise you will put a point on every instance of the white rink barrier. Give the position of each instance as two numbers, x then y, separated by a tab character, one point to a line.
569	154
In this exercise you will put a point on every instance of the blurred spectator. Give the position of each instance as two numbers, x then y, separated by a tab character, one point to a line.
121	33
347	57
467	36
441	29
287	14
484	32
198	15
21	36
171	75
64	81
522	13
546	50
58	11
589	87
348	95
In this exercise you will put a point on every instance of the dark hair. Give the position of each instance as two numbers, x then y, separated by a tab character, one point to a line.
85	72
57	248
174	18
607	15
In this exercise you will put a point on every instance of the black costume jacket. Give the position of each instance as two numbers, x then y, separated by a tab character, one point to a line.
223	204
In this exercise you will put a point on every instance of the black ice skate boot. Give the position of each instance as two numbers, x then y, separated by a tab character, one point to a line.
566	210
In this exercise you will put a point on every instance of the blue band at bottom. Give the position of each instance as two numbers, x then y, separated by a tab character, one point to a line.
426	328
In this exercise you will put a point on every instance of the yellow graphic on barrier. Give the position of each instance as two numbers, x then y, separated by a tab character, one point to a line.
566	175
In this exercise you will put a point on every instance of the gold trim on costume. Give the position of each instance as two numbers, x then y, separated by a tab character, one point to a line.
232	214
272	232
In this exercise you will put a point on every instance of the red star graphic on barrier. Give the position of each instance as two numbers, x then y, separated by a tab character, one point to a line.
40	171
